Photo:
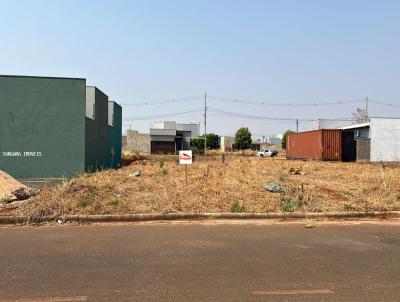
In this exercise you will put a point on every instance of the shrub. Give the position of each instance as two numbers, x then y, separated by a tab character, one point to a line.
288	204
83	202
114	201
197	142
212	141
162	162
238	207
284	138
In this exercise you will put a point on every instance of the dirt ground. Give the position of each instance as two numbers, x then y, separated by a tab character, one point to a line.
232	183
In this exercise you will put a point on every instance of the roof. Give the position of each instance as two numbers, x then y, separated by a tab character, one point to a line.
115	103
40	77
362	125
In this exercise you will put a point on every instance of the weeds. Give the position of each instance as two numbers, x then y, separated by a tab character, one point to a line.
162	162
347	193
214	186
238	207
288	204
83	202
114	201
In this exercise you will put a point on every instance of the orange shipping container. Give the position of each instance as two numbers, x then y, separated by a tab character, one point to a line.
325	144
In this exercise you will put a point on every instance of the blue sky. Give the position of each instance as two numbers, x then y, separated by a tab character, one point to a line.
272	51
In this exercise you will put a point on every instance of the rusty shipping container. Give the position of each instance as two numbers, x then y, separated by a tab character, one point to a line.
325	144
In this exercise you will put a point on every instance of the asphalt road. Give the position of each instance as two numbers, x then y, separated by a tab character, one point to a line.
200	262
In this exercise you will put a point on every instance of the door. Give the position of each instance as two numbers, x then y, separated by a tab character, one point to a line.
348	146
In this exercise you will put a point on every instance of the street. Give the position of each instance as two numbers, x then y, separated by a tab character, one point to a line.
201	262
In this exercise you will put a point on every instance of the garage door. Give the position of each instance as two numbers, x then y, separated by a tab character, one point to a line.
162	147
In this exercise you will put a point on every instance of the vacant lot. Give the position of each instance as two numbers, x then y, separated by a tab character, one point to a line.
231	184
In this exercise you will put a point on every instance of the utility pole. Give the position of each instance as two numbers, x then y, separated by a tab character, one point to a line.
205	123
297	125
366	109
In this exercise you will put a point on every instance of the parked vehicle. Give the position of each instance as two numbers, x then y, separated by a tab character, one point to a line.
267	153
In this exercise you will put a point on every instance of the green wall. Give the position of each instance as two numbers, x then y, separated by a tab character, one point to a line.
115	137
45	115
96	147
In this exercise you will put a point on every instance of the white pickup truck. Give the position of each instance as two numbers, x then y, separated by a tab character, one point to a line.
267	153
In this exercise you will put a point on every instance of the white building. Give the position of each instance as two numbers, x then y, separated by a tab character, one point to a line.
169	137
377	140
330	123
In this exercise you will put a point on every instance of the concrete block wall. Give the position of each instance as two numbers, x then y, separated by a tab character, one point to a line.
363	150
136	142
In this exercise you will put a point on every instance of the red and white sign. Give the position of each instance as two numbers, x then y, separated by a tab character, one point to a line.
185	157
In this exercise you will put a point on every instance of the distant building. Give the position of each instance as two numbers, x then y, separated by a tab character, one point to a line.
168	137
256	144
271	140
330	123
136	142
226	143
377	140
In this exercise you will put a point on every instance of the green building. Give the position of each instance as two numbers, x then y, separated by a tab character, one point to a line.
56	127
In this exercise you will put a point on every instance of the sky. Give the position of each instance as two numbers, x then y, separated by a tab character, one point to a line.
259	51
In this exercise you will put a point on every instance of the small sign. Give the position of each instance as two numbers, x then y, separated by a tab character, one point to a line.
185	157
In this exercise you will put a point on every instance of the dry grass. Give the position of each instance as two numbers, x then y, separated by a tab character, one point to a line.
215	186
131	157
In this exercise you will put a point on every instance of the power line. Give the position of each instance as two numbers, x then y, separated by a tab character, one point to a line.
150	117
179	100
218	113
257	117
383	103
259	103
224	99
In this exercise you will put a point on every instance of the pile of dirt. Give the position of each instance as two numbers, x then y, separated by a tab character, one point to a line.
12	190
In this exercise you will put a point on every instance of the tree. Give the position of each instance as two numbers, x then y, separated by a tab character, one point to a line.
197	142
360	115
212	141
284	138
243	139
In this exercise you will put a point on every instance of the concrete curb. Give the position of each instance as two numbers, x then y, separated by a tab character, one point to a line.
196	216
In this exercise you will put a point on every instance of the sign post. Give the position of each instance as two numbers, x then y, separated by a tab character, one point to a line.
185	158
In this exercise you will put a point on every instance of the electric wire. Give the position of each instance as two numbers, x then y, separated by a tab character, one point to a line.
150	117
314	104
171	101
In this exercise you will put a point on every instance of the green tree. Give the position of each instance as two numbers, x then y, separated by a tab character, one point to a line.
243	139
212	141
284	138
197	142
